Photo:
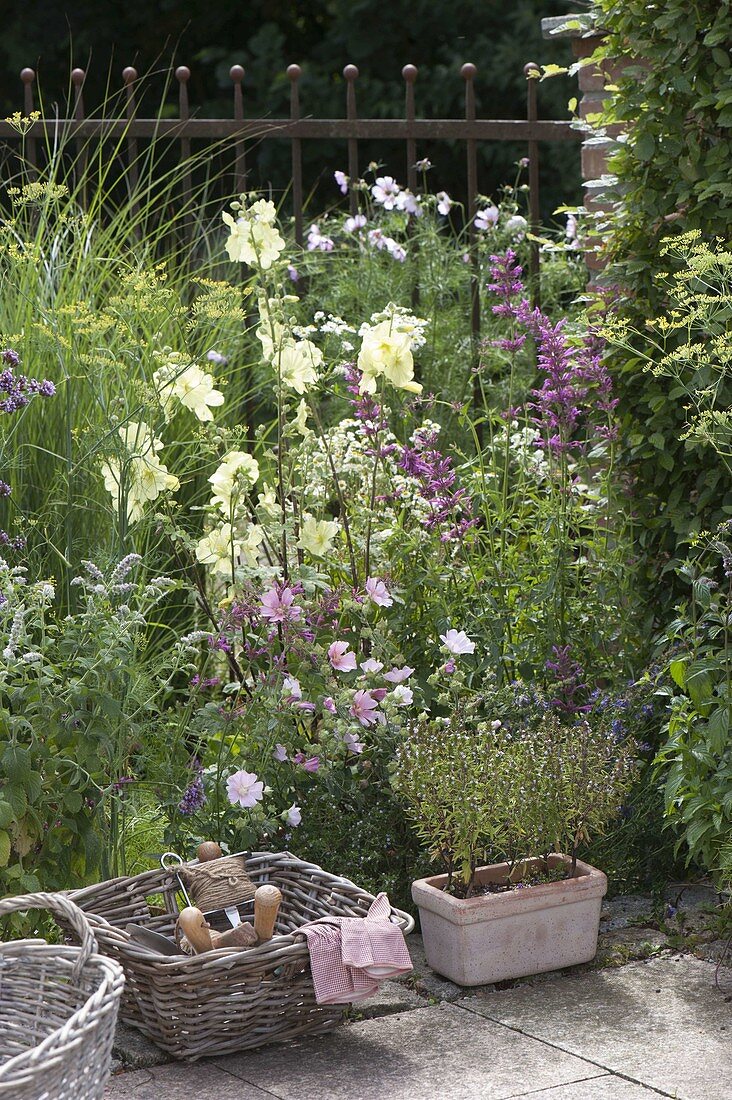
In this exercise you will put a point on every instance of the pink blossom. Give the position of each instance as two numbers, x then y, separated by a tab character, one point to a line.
293	816
398	675
378	694
291	688
444	203
363	707
486	218
449	666
371	665
342	180
386	191
280	753
457	642
350	225
309	708
280	607
352	743
378	592
245	789
329	704
340	659
309	764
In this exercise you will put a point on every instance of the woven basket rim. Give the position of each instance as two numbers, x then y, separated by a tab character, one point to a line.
219	958
110	984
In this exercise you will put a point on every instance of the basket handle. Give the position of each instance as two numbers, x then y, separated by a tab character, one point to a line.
60	906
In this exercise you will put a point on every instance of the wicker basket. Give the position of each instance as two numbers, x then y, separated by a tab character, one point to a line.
58	1010
231	999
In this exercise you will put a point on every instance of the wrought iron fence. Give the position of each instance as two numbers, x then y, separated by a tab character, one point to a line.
128	128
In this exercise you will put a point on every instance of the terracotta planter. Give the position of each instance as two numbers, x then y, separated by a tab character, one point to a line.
494	937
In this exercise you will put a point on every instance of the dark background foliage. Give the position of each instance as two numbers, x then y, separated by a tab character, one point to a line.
321	36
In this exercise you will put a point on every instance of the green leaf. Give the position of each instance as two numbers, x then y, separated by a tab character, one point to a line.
678	673
645	146
4	848
7	817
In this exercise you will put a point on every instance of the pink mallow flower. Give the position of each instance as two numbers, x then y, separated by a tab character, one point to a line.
363	708
457	642
293	816
340	659
371	665
398	675
402	695
280	753
377	591
243	788
280	607
308	764
329	705
291	688
352	743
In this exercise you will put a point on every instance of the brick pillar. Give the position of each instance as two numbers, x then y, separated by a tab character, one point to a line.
592	83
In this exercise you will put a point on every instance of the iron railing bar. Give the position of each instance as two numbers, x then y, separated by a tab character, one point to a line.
532	73
293	72
440	129
351	75
236	72
28	76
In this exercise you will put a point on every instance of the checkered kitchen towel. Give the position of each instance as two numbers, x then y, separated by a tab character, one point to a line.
351	956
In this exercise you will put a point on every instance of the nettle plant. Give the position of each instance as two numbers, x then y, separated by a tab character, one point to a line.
300	672
76	703
695	759
481	786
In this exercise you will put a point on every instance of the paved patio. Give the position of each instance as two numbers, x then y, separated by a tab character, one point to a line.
652	1028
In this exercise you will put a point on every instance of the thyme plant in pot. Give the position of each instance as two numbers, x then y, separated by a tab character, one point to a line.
505	811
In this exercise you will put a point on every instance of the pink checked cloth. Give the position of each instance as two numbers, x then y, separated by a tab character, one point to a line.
351	956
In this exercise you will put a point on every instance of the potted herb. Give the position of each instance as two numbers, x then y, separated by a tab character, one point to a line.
478	792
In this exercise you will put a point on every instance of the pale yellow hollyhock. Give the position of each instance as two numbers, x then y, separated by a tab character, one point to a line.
250	545
262	211
215	549
236	467
300	421
145	476
296	363
273	336
253	242
267	502
384	351
316	535
195	390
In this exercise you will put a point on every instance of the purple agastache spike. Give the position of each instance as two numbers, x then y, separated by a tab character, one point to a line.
574	401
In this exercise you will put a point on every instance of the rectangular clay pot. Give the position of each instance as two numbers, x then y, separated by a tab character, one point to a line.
494	937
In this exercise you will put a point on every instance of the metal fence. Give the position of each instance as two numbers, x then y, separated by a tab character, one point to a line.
128	128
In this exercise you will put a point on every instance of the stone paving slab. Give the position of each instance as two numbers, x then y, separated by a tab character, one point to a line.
201	1081
661	1022
607	1087
437	1052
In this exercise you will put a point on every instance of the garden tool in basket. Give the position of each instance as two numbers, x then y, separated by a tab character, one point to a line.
218	883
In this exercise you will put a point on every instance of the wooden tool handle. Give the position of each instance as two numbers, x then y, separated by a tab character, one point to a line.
207	851
241	936
267	901
192	924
